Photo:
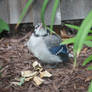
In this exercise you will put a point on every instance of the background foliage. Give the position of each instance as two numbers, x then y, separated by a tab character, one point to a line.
82	37
3	26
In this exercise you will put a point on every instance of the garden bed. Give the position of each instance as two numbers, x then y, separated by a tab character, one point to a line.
15	57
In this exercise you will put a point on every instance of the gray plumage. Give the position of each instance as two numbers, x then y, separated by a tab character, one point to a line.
40	44
52	40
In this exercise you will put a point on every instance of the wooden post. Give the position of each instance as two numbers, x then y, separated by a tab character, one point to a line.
37	6
16	7
75	9
4	10
10	10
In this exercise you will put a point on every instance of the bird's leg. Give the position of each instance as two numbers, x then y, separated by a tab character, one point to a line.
45	65
51	66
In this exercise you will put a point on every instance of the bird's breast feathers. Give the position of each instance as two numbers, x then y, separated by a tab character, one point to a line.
40	50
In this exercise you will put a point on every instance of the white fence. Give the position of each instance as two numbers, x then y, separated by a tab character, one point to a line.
10	10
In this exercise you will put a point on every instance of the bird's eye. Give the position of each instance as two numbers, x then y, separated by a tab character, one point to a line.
37	26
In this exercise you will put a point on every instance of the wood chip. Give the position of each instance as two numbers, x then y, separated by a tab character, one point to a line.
28	79
37	66
88	78
28	73
15	83
38	80
84	50
64	35
45	74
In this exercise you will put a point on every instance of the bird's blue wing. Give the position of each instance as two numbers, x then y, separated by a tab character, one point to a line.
53	44
61	49
52	41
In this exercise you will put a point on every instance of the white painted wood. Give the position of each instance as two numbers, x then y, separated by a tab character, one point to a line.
10	10
16	7
75	9
4	10
37	10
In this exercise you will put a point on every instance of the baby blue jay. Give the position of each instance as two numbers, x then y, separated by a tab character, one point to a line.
46	47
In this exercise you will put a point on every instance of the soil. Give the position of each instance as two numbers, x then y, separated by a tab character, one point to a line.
15	57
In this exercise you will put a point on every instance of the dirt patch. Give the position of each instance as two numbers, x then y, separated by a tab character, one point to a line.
15	57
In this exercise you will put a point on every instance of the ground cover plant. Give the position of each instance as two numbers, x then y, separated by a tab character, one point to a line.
82	38
3	26
62	76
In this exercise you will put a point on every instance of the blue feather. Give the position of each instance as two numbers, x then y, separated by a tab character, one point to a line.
61	49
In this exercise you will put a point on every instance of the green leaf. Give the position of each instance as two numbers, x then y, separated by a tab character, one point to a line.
75	27
22	80
3	26
87	60
68	41
88	43
72	26
54	13
90	31
43	11
0	71
90	87
82	34
24	12
89	38
45	3
89	68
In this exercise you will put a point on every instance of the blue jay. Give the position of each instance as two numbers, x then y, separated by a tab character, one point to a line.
46	47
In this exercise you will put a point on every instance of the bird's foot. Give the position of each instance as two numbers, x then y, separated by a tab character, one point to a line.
52	66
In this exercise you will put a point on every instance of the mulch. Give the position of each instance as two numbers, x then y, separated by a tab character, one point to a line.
15	57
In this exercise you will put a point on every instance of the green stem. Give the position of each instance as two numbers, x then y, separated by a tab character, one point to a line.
75	62
29	2
43	12
54	13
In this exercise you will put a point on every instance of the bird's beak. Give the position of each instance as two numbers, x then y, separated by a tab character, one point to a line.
40	26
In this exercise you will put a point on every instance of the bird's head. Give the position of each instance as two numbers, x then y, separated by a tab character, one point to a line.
40	30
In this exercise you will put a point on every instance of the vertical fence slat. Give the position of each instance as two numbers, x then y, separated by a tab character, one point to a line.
10	10
75	9
4	10
16	7
37	10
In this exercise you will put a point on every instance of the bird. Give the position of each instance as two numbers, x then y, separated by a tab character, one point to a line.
47	47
